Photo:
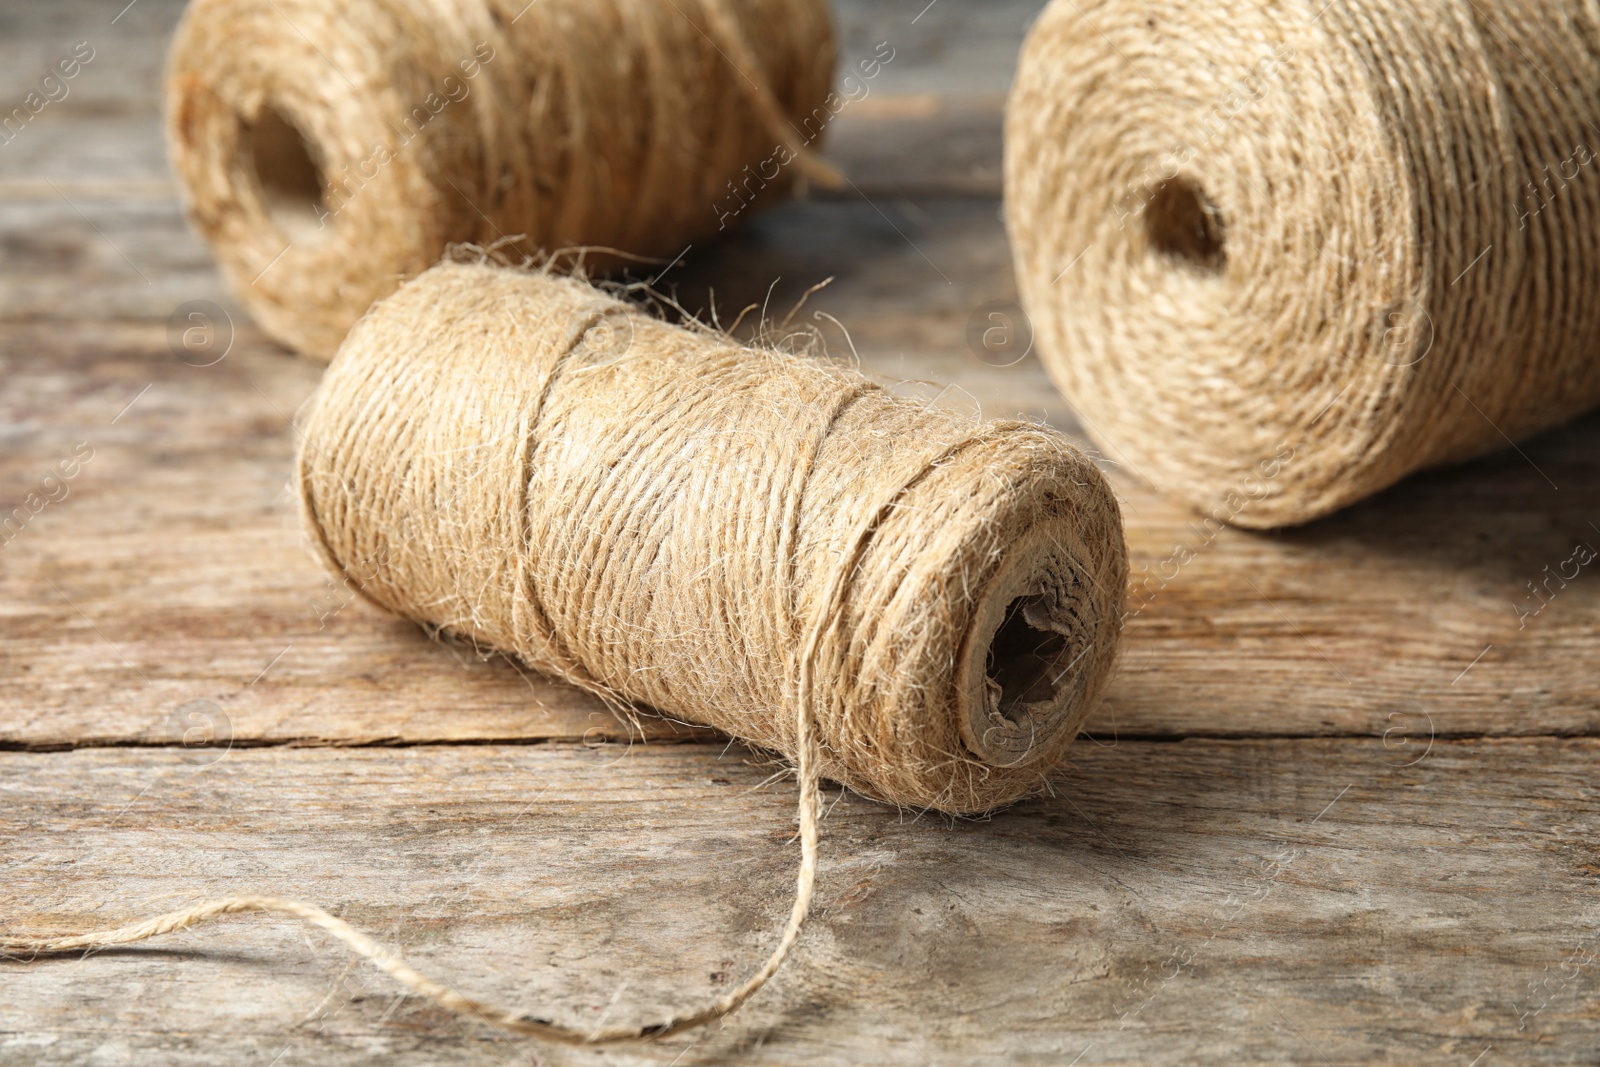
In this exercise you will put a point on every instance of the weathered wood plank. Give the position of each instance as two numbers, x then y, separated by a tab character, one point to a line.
929	122
948	47
71	258
1204	902
178	544
1391	894
119	70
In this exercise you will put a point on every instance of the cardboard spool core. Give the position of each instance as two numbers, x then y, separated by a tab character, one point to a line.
1182	222
1018	683
287	175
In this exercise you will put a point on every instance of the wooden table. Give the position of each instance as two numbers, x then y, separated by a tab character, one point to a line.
1340	805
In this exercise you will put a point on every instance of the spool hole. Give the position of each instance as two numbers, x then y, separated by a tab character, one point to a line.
1024	660
1181	222
287	174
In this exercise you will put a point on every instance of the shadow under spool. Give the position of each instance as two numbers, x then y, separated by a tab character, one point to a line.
1279	256
329	150
670	520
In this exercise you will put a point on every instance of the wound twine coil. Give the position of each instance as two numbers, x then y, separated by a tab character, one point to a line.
913	602
1365	232
329	150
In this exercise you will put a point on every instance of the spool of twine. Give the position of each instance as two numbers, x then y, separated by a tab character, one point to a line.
913	602
330	150
1363	234
668	519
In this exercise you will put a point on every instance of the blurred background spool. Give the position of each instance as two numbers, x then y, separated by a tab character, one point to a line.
331	149
1280	255
662	517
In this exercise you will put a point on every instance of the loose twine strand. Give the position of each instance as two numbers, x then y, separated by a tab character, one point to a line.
518	1022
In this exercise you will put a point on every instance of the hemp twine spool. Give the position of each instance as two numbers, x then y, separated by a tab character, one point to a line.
332	149
915	603
1365	231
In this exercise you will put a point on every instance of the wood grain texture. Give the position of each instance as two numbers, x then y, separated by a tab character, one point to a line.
173	570
1339	806
1305	901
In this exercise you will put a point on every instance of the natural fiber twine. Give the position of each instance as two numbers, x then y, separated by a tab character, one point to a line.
910	601
332	148
1367	231
668	519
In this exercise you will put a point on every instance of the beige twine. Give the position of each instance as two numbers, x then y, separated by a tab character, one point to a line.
915	603
1369	230
329	150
